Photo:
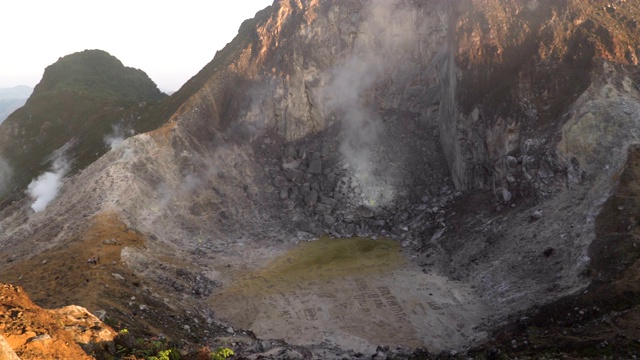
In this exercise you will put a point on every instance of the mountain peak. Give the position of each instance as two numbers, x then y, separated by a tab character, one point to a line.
98	73
81	96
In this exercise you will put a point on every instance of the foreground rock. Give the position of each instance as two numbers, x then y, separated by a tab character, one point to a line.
36	333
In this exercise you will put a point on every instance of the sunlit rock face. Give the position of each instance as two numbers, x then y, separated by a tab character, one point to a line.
479	135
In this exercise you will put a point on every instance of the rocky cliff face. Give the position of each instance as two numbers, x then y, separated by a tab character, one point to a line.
484	136
525	73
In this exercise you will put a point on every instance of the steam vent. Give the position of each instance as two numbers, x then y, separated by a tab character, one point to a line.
345	179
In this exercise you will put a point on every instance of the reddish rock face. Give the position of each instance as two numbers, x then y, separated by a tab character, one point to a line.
36	333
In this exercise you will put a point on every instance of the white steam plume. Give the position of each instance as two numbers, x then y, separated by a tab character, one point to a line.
116	137
386	36
45	187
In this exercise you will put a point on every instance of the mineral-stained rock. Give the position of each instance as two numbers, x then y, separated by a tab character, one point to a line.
35	333
6	352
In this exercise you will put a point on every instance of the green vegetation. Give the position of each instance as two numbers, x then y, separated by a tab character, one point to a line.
221	354
128	347
320	260
96	73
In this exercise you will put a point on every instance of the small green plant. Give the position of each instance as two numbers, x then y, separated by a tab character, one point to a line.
168	354
129	347
221	353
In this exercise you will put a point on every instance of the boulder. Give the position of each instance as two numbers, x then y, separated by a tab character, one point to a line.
327	200
289	151
293	174
311	198
284	194
117	276
293	164
329	220
331	177
365	211
315	165
537	215
506	195
280	182
323	209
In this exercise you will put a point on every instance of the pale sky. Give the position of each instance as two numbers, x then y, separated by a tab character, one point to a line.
169	40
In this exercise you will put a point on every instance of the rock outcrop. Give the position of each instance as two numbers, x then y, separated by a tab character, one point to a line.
35	333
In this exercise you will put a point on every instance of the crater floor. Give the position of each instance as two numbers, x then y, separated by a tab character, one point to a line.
355	293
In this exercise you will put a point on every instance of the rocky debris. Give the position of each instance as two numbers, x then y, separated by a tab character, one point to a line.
329	196
186	281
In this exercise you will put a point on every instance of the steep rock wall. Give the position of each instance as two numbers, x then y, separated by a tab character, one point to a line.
305	56
517	72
